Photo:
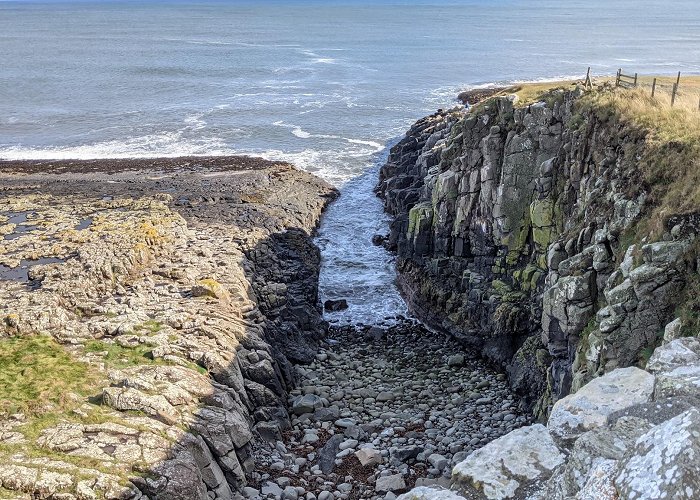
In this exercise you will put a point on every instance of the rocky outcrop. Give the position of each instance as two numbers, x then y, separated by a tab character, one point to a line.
150	314
643	443
515	228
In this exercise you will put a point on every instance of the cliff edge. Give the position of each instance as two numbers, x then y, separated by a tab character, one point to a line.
151	310
550	230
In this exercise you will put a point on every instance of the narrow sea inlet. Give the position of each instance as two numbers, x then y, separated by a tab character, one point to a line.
349	250
327	87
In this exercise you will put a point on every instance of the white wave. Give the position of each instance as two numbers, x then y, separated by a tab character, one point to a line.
296	130
378	147
169	144
324	60
196	121
303	134
299	132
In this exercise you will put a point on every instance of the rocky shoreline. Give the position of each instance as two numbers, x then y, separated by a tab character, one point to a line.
382	410
516	229
184	294
165	301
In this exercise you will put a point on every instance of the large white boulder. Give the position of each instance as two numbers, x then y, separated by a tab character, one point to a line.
677	368
590	406
664	462
509	463
425	493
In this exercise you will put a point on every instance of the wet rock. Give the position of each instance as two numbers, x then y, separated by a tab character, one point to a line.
335	305
378	240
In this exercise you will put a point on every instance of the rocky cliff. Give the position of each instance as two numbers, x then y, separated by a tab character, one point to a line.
531	230
150	311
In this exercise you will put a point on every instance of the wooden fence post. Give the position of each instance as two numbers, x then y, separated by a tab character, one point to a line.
617	80
678	80
673	94
653	88
588	83
635	79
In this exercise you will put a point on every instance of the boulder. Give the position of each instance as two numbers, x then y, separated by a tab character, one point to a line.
665	461
605	443
210	288
307	403
326	455
125	398
425	493
438	461
590	406
392	483
672	330
369	457
405	453
678	352
335	305
456	360
509	464
677	368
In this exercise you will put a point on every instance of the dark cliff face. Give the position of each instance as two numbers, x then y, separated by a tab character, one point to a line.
512	228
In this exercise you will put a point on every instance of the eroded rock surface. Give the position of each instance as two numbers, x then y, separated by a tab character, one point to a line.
181	290
647	448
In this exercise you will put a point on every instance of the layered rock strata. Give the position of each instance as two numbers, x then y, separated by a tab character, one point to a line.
175	294
514	231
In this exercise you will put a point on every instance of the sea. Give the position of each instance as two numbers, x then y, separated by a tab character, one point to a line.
326	85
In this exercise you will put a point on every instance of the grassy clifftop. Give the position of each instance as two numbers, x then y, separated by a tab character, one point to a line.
669	136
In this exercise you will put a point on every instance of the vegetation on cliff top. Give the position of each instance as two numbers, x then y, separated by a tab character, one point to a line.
24	365
669	156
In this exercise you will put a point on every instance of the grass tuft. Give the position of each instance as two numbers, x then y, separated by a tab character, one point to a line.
37	374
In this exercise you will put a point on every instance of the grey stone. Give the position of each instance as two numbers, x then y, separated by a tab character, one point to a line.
509	464
456	360
392	483
306	404
590	406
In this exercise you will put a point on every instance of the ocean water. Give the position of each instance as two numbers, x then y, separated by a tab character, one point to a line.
327	85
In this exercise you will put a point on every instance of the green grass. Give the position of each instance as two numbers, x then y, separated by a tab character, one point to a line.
664	143
118	356
151	326
36	373
124	357
689	308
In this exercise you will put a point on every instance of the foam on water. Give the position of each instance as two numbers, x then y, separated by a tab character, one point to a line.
353	268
